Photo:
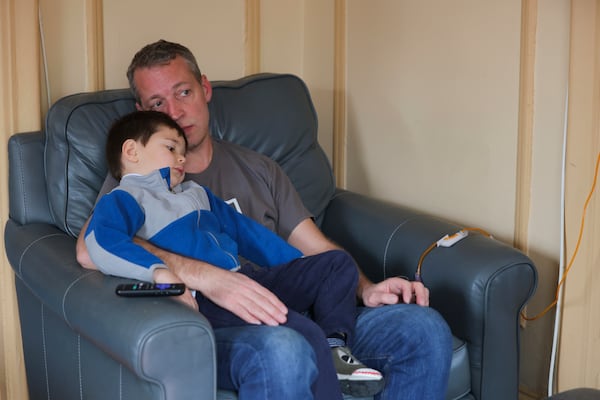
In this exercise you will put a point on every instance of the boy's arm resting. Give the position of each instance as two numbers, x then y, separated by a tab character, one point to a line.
232	291
83	256
254	241
109	238
165	275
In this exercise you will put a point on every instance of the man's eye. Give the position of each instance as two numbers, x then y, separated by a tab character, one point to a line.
185	93
156	105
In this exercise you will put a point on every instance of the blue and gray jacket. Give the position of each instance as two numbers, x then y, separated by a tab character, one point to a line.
187	219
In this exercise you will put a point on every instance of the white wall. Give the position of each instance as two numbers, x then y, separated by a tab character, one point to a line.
214	32
433	112
432	106
64	39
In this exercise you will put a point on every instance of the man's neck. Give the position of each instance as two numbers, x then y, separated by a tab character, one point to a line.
199	157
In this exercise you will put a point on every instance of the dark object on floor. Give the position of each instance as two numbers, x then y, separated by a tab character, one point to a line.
577	394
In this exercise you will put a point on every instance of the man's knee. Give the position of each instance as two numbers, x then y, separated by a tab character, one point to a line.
420	328
285	347
433	335
263	362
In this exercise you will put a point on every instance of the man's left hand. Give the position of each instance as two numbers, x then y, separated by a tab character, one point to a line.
395	290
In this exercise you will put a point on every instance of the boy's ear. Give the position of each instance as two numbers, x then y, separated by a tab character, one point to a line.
129	150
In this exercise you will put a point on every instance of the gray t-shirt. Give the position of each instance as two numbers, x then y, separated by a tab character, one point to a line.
250	182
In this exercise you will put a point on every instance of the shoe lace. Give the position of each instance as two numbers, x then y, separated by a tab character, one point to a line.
346	357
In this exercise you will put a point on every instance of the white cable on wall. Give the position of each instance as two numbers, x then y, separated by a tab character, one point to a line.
561	268
44	59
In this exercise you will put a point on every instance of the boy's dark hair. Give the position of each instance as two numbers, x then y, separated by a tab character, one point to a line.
161	52
139	126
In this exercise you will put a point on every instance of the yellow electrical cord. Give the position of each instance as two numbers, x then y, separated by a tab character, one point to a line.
571	261
569	265
562	280
435	244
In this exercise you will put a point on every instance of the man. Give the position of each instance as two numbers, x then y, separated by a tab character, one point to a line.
409	343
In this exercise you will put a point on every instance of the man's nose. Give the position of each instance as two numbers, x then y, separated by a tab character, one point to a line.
174	110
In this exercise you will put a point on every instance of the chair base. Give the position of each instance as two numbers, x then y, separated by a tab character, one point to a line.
577	394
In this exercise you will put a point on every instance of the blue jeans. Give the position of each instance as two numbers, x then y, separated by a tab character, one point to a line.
409	344
323	285
265	363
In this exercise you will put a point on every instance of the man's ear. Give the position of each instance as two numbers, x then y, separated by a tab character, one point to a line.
207	87
138	106
129	150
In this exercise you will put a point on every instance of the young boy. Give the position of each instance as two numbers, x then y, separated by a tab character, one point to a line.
146	152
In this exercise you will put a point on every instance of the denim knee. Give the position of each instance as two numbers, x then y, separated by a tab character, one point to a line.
411	345
285	346
263	362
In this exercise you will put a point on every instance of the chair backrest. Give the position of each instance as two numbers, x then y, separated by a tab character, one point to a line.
273	114
270	113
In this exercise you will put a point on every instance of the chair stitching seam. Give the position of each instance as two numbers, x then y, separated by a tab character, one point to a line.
45	353
31	245
79	366
387	246
64	299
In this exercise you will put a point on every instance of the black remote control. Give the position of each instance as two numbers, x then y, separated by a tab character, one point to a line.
145	289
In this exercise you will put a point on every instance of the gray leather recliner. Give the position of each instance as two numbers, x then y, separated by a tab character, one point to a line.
82	341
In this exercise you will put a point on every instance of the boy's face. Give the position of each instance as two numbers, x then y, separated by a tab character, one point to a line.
164	149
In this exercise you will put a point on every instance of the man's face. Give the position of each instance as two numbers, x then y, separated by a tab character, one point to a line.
172	89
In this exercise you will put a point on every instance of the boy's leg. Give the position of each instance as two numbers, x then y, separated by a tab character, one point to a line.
324	284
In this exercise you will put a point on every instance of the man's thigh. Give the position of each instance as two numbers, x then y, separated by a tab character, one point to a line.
253	355
394	330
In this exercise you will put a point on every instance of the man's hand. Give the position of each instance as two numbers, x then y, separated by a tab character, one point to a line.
393	291
163	275
242	296
310	240
233	291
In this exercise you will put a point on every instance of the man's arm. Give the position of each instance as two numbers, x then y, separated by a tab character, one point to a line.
309	239
230	290
83	257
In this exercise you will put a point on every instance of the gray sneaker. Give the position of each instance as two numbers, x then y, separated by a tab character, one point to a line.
356	379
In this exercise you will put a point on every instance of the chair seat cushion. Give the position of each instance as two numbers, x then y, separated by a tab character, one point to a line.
459	384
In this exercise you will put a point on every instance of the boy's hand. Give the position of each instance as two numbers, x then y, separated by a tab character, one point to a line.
164	275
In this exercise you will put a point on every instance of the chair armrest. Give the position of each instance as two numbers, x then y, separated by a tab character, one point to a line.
27	191
158	339
479	285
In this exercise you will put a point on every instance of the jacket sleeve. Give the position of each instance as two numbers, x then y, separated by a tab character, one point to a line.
109	238
255	242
